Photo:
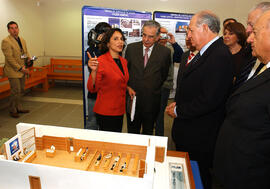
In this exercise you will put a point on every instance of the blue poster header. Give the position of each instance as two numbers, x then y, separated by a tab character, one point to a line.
107	12
176	16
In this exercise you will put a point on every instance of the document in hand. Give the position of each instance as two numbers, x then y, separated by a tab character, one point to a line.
133	108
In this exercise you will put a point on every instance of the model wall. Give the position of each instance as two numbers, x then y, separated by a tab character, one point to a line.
15	175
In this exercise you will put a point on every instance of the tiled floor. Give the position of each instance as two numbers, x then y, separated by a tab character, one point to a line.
62	105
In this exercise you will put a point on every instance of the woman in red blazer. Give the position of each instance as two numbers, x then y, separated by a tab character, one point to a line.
109	79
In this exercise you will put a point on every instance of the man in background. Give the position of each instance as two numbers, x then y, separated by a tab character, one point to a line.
148	64
203	88
167	39
16	55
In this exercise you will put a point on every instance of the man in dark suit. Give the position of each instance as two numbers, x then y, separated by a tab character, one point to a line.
203	87
148	64
242	156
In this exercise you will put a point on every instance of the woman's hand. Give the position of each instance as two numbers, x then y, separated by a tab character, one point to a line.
131	92
92	62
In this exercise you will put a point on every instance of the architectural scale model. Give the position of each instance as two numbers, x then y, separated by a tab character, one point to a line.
42	156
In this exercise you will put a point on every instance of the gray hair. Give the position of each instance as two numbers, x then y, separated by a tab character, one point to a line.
152	23
263	6
210	19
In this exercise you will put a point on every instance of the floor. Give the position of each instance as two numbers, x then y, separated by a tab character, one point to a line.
62	105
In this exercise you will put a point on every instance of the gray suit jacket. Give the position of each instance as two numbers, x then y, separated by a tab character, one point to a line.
147	81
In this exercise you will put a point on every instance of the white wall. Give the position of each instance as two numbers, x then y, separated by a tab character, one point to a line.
54	27
28	17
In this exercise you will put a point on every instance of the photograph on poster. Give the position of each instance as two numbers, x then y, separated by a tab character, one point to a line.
114	22
126	23
134	33
136	23
181	27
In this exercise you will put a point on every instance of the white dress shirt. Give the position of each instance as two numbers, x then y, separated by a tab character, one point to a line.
149	50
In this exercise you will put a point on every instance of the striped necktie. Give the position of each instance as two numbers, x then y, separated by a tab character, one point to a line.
146	56
195	59
191	55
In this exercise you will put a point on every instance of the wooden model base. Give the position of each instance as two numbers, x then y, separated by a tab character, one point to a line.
128	164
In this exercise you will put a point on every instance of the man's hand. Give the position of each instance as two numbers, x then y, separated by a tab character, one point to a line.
25	70
170	110
92	62
171	39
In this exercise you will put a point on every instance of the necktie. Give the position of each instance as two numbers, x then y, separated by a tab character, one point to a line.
191	55
259	70
262	70
146	56
195	59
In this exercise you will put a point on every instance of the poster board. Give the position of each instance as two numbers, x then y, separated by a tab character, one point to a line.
177	24
129	21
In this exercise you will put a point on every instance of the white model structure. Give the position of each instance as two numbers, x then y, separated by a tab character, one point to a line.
15	174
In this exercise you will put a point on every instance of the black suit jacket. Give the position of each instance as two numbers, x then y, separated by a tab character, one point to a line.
202	91
147	81
182	67
242	156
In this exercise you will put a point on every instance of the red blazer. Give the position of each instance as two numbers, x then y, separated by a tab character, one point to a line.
110	85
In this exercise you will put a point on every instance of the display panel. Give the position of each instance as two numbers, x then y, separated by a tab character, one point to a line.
175	23
13	147
129	21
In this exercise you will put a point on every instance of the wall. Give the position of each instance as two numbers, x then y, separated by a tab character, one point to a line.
53	28
28	17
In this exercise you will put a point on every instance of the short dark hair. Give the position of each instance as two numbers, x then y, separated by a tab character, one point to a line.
239	30
227	19
106	39
10	23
